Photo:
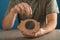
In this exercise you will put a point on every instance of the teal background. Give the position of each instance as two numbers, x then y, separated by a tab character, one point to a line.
3	8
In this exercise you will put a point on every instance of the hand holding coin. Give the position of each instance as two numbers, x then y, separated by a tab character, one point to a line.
29	27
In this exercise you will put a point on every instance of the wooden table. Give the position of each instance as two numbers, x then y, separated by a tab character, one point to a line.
16	35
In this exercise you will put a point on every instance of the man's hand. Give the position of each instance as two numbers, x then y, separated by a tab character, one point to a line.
37	34
33	35
40	32
23	8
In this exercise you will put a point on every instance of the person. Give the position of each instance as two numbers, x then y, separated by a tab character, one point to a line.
44	11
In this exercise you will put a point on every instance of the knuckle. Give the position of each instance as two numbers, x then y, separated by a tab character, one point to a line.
19	4
15	6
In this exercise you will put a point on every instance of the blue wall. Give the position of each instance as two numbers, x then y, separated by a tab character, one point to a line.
3	7
58	25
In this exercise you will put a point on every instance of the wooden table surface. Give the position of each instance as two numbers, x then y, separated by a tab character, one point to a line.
16	35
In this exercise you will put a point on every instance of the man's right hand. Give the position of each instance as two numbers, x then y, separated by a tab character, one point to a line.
22	8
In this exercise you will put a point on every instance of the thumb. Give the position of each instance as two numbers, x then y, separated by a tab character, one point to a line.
37	33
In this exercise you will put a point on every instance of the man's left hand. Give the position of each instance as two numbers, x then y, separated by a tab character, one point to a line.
40	32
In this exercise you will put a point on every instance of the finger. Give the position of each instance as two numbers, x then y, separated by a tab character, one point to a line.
30	13
37	34
16	8
27	8
21	8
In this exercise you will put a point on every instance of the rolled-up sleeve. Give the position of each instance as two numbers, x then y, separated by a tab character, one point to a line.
52	7
9	7
11	4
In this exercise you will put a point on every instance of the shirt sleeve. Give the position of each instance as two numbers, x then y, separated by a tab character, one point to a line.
52	7
11	4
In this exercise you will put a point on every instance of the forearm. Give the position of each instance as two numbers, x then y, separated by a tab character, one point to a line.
49	27
51	23
8	21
